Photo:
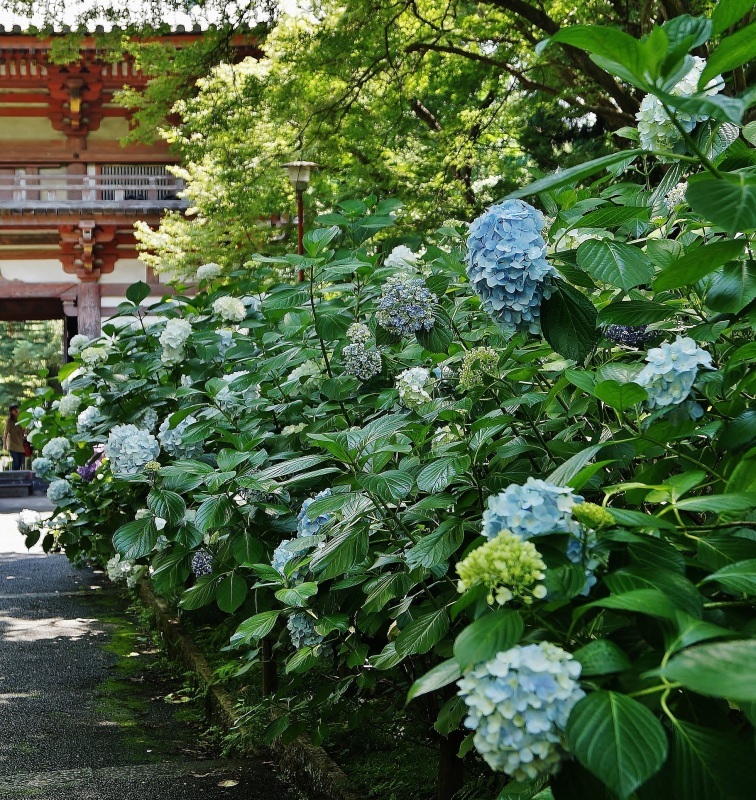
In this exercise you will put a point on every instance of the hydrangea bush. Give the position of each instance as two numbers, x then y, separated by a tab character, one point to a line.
527	502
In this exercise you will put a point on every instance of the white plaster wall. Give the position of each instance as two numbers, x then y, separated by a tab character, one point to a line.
24	129
127	270
111	128
43	270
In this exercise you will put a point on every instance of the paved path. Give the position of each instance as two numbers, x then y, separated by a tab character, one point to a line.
83	714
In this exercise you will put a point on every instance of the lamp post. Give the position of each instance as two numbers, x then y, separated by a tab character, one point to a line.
299	175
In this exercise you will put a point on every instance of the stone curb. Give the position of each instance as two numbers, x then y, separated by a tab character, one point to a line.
309	768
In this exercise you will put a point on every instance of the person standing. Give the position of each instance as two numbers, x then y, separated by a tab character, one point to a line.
13	438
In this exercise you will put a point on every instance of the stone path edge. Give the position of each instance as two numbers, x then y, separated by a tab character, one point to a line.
308	767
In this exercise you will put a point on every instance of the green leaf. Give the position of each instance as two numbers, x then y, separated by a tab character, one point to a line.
436	547
615	263
138	292
573	174
620	395
601	657
215	512
642	601
722	669
719	503
729	202
231	592
341	554
392	485
617	739
734	288
254	628
441	675
135	539
749	132
437	475
423	634
699	262
202	593
737	578
728	12
568	320
168	505
297	595
564	473
634	312
387	587
732	52
439	337
490	634
331	325
674	586
709	764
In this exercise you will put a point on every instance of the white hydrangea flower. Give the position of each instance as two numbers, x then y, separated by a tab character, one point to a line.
88	418
229	308
307	370
173	339
289	429
413	385
129	448
77	344
28	521
69	405
209	271
401	257
676	195
656	129
186	381
93	356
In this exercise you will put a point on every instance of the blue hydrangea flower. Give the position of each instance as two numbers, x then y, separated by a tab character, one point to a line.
302	631
88	418
59	489
129	448
56	449
405	306
671	371
307	526
584	549
518	705
289	550
172	439
42	467
537	508
202	563
507	267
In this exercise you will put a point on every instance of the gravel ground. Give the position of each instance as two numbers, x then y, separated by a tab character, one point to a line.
83	710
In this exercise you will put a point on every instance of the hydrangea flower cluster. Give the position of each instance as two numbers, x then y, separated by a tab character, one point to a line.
656	129
289	550
507	267
172	439
69	405
476	364
129	448
56	449
173	340
671	371
311	527
307	371
401	257
77	344
209	271
414	385
42	467
202	563
58	490
229	308
518	705
676	195
508	566
302	631
446	435
28	521
360	360
120	569
94	356
538	507
87	419
227	397
629	335
571	239
406	306
226	341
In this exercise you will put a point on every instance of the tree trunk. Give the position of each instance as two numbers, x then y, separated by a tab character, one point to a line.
450	767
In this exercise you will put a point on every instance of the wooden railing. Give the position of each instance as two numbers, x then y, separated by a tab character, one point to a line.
106	192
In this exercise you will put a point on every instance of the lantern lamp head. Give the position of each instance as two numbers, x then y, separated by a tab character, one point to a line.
299	173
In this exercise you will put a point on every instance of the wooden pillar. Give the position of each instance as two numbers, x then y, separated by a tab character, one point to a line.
88	306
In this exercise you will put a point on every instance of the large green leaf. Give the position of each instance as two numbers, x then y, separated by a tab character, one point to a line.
168	505
696	264
214	513
254	628
441	675
615	263
572	175
437	475
729	202
202	593
423	634
340	554
728	12
602	657
737	578
619	740
568	320
392	485
722	669
135	539
490	634
298	595
635	312
231	592
719	503
137	292
620	395
435	548
732	52
733	288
